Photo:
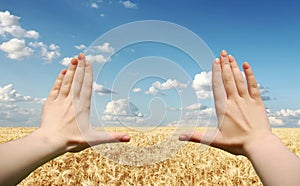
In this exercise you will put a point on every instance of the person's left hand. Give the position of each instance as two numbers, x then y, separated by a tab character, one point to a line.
65	115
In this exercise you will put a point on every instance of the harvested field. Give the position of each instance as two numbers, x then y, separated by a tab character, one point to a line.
189	165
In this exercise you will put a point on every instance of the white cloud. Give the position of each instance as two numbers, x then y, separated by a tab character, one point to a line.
192	118
101	15
136	90
99	54
90	58
169	84
97	58
94	5
129	4
66	61
195	106
32	34
47	53
263	90
9	94
16	49
13	115
80	47
201	84
284	117
101	90
275	121
9	25
122	111
104	48
151	90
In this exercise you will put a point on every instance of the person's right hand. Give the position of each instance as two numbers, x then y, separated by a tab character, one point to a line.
242	118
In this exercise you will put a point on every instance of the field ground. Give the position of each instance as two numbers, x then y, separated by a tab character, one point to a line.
191	164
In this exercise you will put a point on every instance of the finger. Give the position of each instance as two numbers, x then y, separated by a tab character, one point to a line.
87	86
68	79
56	86
228	79
218	88
238	77
252	84
210	138
79	76
99	137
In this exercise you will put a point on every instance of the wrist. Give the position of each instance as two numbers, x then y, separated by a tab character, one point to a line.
260	143
45	138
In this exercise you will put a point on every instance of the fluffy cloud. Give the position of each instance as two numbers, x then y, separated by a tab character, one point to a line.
202	85
121	111
129	4
80	47
13	115
91	58
16	49
97	58
284	117
9	25
101	90
136	90
152	90
263	90
9	94
197	117
169	84
275	121
195	106
104	48
66	61
94	5
47	53
100	54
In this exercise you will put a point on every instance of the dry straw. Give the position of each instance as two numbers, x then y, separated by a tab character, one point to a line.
189	166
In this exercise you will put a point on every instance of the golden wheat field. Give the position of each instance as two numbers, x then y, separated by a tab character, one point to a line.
190	163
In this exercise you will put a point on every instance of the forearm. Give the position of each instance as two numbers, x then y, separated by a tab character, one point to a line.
274	163
20	157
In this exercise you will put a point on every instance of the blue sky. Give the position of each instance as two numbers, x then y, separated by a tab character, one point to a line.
38	37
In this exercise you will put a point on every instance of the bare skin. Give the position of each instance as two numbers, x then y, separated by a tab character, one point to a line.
243	125
64	126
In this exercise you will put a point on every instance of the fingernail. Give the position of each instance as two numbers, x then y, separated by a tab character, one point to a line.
74	61
125	138
183	138
217	61
224	53
64	71
81	56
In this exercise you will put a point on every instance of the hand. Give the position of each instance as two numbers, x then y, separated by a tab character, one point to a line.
65	116
242	119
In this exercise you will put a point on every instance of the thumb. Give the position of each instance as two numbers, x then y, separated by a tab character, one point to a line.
99	137
209	137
